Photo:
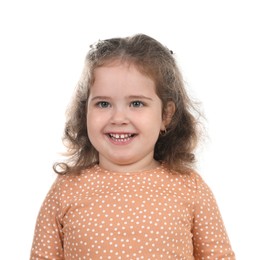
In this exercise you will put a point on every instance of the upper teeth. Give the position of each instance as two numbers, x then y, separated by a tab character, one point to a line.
121	136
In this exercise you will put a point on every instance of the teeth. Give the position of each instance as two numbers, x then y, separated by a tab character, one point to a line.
120	136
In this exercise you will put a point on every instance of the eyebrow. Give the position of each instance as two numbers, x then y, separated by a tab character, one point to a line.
100	98
129	97
139	97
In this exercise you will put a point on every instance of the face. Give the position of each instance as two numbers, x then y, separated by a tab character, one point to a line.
124	118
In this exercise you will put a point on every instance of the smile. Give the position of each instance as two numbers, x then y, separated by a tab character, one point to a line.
121	137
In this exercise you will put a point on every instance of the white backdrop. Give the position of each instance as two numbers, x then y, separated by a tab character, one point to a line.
222	49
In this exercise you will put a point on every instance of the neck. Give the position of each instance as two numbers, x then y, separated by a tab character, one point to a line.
134	167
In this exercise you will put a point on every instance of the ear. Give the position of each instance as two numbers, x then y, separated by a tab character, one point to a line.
168	113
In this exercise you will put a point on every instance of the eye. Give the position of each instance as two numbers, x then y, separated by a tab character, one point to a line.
103	104
137	104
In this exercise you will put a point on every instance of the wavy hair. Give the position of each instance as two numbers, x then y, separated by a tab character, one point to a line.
176	145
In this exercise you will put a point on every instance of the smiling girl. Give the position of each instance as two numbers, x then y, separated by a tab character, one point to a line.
128	189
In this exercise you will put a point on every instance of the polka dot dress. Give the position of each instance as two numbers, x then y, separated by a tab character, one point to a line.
145	215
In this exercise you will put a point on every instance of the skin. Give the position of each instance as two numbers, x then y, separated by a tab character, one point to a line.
124	118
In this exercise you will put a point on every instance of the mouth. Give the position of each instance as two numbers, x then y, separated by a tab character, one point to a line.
121	137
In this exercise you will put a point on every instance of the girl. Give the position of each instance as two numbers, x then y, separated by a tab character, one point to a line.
128	189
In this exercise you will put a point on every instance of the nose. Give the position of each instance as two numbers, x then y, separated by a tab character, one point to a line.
119	116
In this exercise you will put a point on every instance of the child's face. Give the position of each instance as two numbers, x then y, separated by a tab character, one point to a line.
124	118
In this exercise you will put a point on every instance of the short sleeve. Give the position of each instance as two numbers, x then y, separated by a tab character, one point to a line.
48	239
210	238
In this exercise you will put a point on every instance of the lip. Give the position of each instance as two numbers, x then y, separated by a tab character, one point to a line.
120	138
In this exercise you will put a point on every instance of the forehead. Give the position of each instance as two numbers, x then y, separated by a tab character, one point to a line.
121	78
121	73
129	62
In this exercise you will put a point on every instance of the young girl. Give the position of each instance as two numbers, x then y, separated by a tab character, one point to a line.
128	189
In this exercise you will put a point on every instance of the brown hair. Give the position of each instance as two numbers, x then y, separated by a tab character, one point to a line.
176	145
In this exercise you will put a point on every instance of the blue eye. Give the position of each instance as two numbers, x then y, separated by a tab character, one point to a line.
137	104
103	104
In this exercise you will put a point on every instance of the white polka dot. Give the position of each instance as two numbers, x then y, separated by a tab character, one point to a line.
105	215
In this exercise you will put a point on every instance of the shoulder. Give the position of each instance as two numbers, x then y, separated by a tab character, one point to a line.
192	182
192	178
66	184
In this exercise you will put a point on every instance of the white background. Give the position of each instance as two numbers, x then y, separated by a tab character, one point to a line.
222	48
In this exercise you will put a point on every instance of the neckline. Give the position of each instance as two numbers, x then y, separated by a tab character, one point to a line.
101	170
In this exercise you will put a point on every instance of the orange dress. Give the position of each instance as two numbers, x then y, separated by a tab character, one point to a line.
144	215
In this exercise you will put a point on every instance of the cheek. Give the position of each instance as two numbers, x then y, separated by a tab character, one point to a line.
93	119
95	124
92	124
92	131
89	121
152	122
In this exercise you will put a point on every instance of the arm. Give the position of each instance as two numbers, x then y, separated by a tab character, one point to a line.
210	239
48	238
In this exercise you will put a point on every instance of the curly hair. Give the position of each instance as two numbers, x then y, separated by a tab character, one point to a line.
176	146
